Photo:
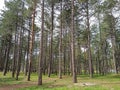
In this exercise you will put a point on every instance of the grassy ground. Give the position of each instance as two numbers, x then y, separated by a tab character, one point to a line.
8	80
108	82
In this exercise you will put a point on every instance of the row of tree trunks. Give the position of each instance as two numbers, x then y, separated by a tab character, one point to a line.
7	52
64	57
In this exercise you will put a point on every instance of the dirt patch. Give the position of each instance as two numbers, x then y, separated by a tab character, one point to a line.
85	84
15	86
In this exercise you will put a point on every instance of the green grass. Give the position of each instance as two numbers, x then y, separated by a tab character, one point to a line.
8	80
65	88
108	82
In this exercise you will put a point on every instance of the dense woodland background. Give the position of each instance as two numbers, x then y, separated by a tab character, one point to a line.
62	37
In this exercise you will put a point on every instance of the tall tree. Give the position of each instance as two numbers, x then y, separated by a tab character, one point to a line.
40	68
31	39
72	43
51	38
60	44
89	40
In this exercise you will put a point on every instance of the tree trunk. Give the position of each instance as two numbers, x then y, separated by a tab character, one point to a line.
28	45
72	44
19	54
89	48
15	55
51	41
113	40
9	38
26	62
114	51
31	41
60	45
41	47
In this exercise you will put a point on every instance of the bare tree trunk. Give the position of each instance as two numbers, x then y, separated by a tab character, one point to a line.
72	44
60	46
51	41
26	62
1	58
15	55
19	54
9	38
114	53
40	69
28	45
3	52
64	61
45	53
89	48
100	54
113	40
31	41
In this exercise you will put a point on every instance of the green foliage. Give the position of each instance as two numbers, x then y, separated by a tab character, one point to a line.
10	16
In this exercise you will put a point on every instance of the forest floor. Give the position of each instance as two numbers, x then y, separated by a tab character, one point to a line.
108	82
15	86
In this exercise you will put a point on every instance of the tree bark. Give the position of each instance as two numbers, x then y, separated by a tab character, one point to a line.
31	41
15	55
72	44
51	41
60	45
9	38
40	69
19	54
89	48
